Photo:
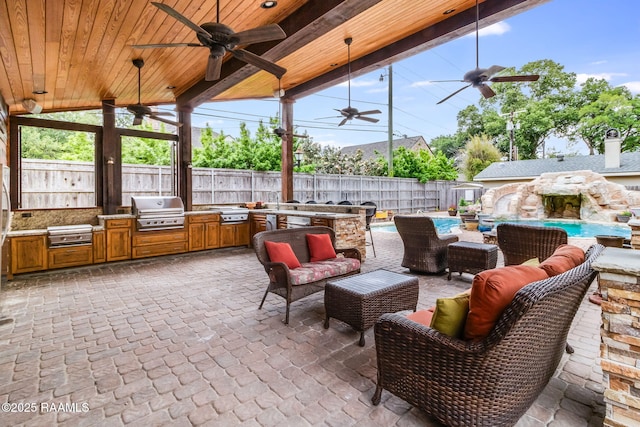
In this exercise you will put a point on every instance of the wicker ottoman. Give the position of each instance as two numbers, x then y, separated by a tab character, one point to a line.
471	257
361	299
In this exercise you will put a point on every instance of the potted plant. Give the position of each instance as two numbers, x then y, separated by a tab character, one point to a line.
624	216
453	210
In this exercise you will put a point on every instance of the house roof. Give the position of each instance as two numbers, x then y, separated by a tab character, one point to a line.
505	171
369	150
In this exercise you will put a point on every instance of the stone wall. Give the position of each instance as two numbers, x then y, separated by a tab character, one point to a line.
600	200
619	277
350	233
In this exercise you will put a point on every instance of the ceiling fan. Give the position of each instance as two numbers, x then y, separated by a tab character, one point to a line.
479	77
139	110
221	39
350	112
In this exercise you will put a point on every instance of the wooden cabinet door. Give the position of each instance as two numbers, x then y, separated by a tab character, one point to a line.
99	247
242	234
118	244
212	233
70	256
227	235
28	253
197	236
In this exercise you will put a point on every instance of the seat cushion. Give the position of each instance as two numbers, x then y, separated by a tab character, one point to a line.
320	247
491	292
422	316
564	258
314	271
282	252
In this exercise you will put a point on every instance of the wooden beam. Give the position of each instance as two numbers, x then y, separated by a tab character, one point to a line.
427	38
301	27
286	172
184	160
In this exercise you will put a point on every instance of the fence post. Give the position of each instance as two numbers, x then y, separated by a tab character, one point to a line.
213	180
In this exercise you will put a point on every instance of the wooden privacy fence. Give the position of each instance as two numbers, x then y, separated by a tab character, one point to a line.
60	184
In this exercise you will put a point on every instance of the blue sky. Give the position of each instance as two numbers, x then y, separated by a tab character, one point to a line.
588	37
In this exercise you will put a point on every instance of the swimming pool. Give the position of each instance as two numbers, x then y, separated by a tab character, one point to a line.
574	229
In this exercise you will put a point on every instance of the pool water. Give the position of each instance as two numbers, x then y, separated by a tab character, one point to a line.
574	229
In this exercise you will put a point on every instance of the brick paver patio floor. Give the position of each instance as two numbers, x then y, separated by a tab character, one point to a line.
179	340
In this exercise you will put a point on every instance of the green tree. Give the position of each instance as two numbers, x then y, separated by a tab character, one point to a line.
478	154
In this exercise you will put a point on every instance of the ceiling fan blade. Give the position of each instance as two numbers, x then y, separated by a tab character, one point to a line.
214	67
486	91
343	121
530	78
163	120
446	81
367	119
493	70
260	34
255	60
162	113
137	120
454	93
175	14
330	117
361	113
148	46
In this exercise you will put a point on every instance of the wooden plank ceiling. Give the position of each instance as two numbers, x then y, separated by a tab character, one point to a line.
80	51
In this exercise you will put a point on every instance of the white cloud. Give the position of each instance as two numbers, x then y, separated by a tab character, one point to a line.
497	29
378	90
582	77
360	83
634	87
422	83
598	62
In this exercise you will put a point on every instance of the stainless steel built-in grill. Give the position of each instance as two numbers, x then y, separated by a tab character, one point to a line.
157	212
70	235
233	214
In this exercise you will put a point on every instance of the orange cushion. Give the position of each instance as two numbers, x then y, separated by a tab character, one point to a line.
282	252
491	292
320	247
564	258
422	316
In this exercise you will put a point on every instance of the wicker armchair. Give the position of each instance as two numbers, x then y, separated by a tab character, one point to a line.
519	242
487	383
424	250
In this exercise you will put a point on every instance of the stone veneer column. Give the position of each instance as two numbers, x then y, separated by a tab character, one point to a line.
635	233
619	280
350	233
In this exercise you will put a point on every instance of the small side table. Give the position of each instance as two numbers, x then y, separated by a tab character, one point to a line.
361	299
471	257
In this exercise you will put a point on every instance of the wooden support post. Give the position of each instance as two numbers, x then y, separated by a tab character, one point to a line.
111	160
184	166
287	149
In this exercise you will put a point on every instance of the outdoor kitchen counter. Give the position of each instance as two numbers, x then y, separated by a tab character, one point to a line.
307	214
39	231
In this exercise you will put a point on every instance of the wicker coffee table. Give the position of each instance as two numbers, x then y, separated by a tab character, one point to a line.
361	299
471	257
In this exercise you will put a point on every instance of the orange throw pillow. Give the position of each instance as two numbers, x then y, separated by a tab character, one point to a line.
320	247
491	292
564	258
282	252
422	316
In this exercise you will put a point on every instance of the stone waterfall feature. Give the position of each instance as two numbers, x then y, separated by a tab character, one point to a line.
582	195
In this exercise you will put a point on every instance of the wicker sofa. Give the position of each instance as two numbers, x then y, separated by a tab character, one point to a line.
298	283
490	382
425	251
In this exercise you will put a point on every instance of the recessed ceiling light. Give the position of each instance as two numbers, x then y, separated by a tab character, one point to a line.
171	87
335	64
446	12
39	92
268	4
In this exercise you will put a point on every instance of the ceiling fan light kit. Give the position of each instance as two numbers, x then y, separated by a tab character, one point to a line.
220	39
479	77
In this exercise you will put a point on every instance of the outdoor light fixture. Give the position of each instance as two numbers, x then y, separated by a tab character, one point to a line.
448	11
268	4
299	155
32	106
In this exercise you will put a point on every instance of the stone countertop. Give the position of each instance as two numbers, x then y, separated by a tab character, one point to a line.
618	260
307	214
115	216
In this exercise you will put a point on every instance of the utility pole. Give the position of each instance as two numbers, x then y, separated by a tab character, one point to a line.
512	126
389	74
